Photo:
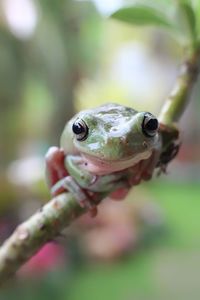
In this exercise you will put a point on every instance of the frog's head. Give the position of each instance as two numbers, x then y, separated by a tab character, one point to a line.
112	134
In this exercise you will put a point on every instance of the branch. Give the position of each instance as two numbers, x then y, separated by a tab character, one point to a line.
31	235
179	97
58	213
45	225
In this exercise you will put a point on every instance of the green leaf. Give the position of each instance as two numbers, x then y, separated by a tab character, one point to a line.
196	7
186	20
142	15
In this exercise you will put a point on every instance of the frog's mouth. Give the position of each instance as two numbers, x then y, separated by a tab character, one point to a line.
101	166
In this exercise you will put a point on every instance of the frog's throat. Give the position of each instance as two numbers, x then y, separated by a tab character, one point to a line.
101	166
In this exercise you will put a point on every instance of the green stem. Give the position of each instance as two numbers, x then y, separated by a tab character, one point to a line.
180	95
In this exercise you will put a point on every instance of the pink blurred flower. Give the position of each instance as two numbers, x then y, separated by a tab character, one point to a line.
49	257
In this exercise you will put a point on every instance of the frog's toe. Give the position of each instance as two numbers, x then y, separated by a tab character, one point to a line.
93	211
84	199
119	194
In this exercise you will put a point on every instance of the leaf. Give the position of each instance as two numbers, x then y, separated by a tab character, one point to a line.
142	15
178	16
196	8
186	19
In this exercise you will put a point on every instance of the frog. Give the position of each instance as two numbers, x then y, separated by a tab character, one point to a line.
104	150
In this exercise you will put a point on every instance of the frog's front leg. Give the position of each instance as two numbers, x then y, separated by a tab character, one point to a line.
92	184
55	170
76	167
59	181
83	198
144	169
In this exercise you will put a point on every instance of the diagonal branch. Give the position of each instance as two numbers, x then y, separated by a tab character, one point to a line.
59	212
45	225
179	97
31	235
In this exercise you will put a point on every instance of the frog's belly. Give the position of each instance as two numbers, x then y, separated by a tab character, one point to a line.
103	167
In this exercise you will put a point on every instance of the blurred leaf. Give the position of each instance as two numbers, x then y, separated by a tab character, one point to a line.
142	15
182	17
186	21
196	8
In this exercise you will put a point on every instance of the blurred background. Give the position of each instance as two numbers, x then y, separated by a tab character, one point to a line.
56	58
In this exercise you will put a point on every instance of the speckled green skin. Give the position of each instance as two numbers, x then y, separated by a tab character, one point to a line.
115	133
115	142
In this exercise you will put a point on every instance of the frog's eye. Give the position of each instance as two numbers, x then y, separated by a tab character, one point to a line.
80	129
149	125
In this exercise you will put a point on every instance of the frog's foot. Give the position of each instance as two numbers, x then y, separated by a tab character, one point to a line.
84	198
119	194
148	166
169	154
55	168
144	169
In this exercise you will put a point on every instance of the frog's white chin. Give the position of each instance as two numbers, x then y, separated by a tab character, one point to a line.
103	167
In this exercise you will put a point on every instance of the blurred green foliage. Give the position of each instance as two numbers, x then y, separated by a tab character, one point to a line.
38	75
180	17
66	65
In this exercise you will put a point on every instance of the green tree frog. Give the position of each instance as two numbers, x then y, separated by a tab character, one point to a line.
106	149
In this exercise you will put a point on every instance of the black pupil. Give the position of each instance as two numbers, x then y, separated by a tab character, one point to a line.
78	128
152	124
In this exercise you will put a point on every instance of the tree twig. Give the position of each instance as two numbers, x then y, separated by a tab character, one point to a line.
175	104
59	212
43	226
46	224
